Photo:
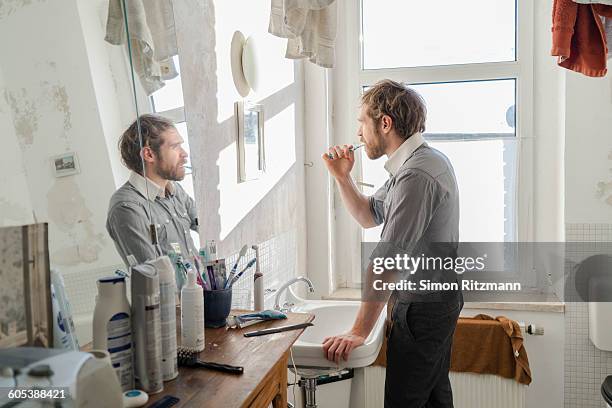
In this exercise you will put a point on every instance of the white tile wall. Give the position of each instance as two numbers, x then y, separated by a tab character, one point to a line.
81	287
277	262
585	365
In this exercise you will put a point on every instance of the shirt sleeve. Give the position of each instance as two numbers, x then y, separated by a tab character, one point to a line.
377	204
128	226
412	204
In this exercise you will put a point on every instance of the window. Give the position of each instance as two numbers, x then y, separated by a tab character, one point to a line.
472	63
168	101
433	33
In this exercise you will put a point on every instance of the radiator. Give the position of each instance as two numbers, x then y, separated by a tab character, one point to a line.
486	391
469	390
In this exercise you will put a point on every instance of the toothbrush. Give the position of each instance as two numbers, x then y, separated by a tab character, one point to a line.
233	271
352	148
198	274
204	278
211	277
230	283
201	275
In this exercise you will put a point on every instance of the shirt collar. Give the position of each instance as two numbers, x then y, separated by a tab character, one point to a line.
143	185
403	152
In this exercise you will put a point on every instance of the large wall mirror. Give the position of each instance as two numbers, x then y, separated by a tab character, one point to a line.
70	85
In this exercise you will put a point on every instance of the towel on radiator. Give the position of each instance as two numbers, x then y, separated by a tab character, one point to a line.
485	345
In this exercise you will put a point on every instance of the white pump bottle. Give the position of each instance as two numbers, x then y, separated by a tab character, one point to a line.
192	314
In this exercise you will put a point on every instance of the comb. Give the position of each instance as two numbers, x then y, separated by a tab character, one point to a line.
188	357
165	402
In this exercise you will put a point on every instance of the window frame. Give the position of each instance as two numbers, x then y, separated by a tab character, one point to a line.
177	116
348	88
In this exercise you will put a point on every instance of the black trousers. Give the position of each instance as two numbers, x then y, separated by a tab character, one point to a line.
418	354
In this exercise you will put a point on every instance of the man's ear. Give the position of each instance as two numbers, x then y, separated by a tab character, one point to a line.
147	154
386	123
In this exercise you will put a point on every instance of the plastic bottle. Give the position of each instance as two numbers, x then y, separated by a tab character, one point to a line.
147	328
112	329
64	335
192	314
167	300
258	283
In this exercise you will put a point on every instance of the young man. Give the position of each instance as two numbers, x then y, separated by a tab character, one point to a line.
419	206
155	199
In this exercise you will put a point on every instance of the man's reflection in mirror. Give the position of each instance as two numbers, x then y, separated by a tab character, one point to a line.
152	195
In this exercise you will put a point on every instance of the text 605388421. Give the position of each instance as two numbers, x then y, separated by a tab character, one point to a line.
36	393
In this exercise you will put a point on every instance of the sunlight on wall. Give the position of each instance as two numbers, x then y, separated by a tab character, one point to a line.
237	199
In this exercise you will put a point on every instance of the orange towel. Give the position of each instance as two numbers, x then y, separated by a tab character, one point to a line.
579	38
484	345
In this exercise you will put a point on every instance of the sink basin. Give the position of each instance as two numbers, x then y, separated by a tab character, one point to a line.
331	318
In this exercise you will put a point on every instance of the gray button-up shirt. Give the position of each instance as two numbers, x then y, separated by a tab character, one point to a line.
172	210
418	204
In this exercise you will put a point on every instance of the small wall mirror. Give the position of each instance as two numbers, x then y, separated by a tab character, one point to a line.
250	143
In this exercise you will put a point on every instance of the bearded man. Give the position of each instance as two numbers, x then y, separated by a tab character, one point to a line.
152	149
419	209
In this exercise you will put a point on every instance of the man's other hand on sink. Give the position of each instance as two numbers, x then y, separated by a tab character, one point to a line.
337	347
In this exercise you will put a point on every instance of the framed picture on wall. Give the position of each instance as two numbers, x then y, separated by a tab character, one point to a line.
250	143
65	164
25	315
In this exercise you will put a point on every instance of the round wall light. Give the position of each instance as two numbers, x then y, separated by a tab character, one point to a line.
250	66
236	51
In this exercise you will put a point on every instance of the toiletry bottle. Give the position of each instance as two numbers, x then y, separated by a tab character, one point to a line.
112	329
258	283
192	314
146	325
211	250
258	291
64	335
167	301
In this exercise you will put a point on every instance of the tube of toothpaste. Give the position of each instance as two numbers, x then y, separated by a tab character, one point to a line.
249	319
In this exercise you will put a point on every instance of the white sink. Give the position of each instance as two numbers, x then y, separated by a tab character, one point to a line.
334	317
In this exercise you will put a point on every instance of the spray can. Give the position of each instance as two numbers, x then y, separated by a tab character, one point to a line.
167	300
146	326
64	335
192	314
112	330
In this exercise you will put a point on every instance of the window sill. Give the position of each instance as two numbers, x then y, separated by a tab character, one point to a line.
548	304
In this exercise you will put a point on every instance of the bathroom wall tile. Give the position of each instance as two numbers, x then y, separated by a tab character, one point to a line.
278	263
585	365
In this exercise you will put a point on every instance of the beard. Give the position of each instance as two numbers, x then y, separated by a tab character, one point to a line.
377	147
169	172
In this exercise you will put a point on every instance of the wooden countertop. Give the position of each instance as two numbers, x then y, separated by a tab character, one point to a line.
262	357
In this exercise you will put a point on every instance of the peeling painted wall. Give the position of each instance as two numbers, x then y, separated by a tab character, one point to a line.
110	76
49	106
15	204
10	7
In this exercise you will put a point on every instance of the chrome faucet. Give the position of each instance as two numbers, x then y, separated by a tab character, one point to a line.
284	287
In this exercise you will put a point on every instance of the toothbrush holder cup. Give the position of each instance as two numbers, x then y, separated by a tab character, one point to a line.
217	306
